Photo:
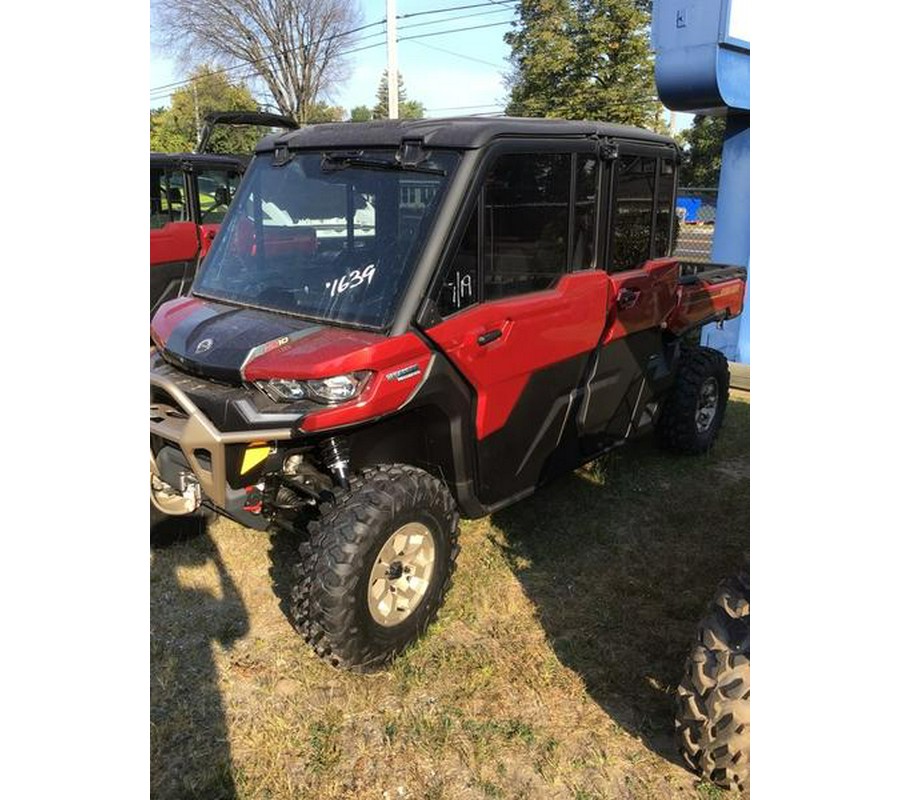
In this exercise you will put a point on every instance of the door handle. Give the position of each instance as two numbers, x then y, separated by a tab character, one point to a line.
489	336
627	297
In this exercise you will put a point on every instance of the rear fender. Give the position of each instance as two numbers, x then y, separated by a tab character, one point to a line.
706	293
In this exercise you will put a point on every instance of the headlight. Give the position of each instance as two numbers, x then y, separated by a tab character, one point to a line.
336	389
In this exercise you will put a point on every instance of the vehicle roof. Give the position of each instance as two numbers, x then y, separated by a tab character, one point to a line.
175	159
455	132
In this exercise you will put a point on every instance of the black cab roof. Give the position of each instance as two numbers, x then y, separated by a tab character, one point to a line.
200	159
451	132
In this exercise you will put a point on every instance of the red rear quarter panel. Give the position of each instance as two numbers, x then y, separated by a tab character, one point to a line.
657	283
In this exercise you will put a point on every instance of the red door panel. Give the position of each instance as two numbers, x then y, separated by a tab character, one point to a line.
642	298
499	345
175	241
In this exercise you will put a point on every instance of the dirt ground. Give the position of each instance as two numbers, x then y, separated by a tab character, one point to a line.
549	674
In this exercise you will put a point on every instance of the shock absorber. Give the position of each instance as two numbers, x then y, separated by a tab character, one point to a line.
336	457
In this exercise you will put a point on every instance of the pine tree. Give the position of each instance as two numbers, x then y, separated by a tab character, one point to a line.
409	109
583	59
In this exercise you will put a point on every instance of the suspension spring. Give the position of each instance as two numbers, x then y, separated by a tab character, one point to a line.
336	457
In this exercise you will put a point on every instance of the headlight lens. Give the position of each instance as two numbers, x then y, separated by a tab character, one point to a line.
336	389
283	390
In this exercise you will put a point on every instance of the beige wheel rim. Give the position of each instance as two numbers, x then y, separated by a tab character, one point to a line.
401	574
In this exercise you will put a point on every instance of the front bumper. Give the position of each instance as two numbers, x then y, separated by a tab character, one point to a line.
179	421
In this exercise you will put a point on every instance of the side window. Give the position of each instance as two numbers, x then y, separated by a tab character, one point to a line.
632	212
587	173
215	187
526	223
459	288
167	201
664	190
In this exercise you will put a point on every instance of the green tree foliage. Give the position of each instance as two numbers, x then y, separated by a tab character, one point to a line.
361	114
703	152
409	109
322	112
583	59
174	129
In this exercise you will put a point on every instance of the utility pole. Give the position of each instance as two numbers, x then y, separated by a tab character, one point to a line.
196	114
393	93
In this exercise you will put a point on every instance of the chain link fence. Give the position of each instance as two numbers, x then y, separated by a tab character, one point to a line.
695	210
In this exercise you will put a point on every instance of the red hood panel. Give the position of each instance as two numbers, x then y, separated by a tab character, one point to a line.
334	351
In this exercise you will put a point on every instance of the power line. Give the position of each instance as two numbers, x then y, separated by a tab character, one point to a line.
266	58
452	53
450	19
455	8
253	74
158	92
464	108
454	30
178	84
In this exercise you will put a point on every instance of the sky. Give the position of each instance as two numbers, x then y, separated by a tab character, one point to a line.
460	72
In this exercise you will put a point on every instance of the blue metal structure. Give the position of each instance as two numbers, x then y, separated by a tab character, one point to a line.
703	66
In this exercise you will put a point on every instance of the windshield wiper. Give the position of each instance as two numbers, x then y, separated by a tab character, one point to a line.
335	161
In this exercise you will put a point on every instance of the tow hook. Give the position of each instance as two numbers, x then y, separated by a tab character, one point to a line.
176	501
254	501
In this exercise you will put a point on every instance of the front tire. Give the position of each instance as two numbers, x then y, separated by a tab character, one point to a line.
377	566
693	412
712	720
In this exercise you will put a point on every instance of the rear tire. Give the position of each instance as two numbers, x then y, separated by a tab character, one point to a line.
712	721
377	566
693	412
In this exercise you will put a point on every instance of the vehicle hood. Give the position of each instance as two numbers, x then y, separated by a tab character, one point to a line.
218	341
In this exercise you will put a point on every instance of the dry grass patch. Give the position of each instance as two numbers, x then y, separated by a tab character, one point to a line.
550	673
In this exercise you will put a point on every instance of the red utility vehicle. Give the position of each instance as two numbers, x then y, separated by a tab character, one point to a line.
402	323
189	195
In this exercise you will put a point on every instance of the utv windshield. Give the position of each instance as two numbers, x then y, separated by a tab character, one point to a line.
330	236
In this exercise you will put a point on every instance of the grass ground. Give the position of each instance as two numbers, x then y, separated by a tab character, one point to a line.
550	673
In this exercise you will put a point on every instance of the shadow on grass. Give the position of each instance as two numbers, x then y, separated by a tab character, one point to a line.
622	557
194	606
284	555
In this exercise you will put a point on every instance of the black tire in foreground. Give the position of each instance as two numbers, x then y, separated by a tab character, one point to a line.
694	410
376	567
712	721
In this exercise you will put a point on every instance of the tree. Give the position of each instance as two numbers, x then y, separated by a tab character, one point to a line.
361	114
408	109
322	112
297	47
703	152
583	59
175	130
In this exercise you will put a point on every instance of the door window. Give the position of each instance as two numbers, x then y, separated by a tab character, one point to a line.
215	188
526	223
459	288
167	197
587	173
665	189
632	219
